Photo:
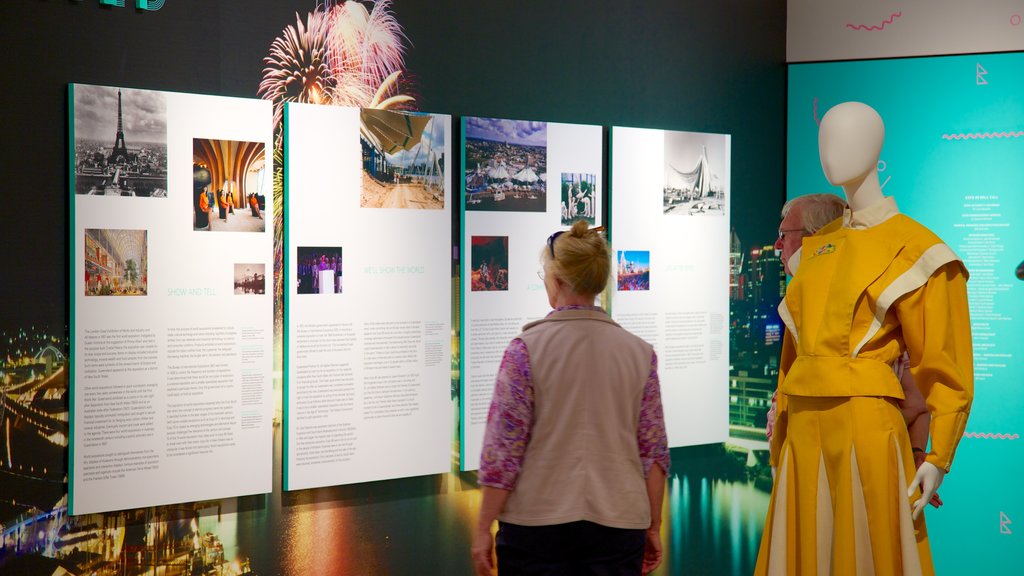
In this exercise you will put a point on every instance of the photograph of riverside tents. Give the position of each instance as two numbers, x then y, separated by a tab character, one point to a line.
506	165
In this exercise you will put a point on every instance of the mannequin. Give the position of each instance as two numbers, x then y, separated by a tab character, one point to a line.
863	293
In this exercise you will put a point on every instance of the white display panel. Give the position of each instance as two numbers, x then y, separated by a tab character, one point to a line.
670	212
367	295
522	181
172	315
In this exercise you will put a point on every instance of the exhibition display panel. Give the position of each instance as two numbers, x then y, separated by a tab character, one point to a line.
367	382
952	160
521	182
669	210
171	305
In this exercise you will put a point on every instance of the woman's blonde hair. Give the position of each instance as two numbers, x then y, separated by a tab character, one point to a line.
580	257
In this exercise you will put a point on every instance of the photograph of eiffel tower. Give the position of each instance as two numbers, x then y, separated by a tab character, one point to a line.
135	164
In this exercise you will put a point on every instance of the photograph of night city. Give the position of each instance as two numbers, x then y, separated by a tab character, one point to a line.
120	142
506	165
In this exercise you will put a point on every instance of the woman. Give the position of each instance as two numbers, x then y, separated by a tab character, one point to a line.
575	453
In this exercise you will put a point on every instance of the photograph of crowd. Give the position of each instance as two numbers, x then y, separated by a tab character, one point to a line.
318	270
250	279
506	165
403	160
229	180
634	270
693	178
489	263
120	142
115	262
578	197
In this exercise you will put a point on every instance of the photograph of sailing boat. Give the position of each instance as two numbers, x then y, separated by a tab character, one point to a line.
403	160
693	177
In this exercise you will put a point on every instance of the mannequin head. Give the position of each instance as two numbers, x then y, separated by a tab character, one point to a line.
850	141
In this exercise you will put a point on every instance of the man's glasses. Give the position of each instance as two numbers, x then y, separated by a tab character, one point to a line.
782	233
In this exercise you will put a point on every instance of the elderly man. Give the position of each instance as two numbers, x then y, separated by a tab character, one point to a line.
806	215
803	216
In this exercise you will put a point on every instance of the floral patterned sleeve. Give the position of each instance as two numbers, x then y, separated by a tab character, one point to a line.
509	420
651	437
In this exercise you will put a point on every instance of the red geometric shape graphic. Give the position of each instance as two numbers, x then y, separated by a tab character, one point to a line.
881	26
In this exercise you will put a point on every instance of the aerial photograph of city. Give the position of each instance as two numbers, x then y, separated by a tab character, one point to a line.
506	165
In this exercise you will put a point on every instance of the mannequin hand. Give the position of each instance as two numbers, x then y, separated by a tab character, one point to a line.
928	478
919	457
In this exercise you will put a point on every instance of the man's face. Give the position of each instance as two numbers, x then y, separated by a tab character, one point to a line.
791	232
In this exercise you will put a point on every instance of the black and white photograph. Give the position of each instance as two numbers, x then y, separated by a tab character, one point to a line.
120	146
694	178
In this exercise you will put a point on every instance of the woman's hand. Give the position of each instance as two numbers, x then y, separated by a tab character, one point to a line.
652	551
482	552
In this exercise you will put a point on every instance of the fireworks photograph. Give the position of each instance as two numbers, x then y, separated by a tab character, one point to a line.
506	165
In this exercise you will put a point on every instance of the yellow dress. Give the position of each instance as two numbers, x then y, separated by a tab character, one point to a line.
864	289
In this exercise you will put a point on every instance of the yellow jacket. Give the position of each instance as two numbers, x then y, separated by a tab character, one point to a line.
866	288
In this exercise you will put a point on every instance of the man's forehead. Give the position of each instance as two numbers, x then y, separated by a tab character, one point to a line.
795	214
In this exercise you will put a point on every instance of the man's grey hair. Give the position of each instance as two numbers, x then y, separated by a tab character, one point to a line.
817	210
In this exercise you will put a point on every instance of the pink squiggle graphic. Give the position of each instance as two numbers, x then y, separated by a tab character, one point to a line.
881	26
991	436
816	120
982	135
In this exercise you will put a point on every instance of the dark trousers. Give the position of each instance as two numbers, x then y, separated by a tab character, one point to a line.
575	548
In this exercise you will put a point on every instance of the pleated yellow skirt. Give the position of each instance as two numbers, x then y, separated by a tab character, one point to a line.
839	505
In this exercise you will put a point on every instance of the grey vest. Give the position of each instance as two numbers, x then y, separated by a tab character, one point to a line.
583	461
